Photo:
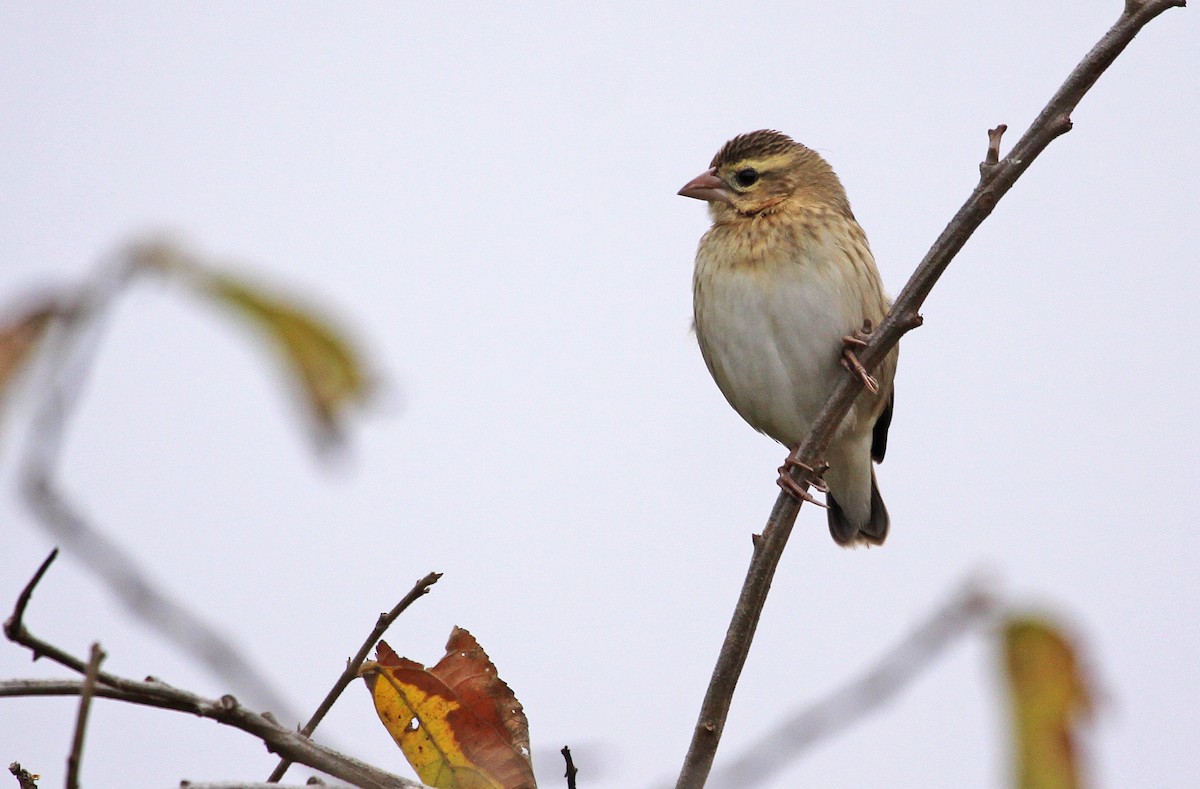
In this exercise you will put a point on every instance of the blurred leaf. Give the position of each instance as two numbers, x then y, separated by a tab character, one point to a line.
458	724
20	336
1049	695
328	369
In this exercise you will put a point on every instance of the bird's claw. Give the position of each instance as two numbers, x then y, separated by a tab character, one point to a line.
850	359
810	475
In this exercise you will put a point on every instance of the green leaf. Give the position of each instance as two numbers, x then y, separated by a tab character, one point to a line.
328	370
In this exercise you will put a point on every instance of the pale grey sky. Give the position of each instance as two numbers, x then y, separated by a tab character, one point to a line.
487	196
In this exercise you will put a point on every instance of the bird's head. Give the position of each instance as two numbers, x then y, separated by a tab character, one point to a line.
763	172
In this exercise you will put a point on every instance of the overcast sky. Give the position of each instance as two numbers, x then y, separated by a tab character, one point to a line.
486	197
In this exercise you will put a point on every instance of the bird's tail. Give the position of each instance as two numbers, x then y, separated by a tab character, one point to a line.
871	532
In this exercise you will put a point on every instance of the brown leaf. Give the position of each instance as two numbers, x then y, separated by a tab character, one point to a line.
20	336
458	724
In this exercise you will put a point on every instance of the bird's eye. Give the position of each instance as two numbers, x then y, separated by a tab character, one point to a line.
747	176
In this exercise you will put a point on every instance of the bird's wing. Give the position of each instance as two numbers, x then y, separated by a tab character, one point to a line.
879	434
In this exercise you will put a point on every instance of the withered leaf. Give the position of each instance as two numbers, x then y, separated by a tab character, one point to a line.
20	336
458	724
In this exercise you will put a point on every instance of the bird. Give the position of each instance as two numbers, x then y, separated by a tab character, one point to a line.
785	287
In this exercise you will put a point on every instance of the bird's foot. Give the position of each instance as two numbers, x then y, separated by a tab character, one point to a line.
850	359
808	474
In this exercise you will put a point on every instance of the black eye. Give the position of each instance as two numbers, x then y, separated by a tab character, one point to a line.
747	176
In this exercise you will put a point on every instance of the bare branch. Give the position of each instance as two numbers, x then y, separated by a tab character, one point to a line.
69	359
783	744
279	739
1053	121
235	784
571	771
85	705
25	779
15	623
15	630
420	589
992	157
226	710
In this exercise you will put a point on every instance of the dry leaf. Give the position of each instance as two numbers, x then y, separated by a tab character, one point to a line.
458	724
1049	695
19	337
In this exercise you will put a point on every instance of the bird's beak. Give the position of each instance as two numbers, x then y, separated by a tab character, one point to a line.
707	186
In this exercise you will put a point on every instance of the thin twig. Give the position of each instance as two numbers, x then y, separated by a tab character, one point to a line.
226	710
69	358
571	771
25	779
385	621
279	739
235	784
14	624
15	630
992	158
784	743
85	705
1052	122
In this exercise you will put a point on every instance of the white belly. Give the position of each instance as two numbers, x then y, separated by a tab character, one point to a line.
771	337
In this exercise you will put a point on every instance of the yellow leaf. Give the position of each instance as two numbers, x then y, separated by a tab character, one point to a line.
457	723
1049	696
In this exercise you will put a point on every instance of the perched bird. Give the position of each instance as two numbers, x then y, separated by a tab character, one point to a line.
785	287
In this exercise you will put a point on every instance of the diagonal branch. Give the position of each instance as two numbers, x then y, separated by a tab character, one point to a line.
785	742
420	589
85	706
995	181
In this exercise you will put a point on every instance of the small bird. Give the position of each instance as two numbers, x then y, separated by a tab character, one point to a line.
785	288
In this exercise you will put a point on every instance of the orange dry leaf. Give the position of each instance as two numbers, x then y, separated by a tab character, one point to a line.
458	724
19	337
1049	695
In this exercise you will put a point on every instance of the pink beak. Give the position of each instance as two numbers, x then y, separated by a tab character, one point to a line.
707	186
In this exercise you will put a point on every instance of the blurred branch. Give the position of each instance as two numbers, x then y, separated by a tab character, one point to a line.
85	705
69	358
278	738
895	670
996	178
420	589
